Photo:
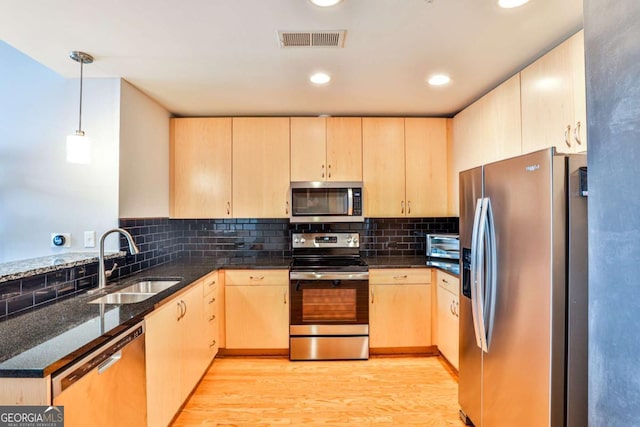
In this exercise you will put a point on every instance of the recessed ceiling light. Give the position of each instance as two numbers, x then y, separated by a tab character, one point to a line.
438	80
320	78
508	4
325	3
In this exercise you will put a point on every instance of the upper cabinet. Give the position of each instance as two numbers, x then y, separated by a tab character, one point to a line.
326	149
260	167
404	166
486	131
553	99
200	165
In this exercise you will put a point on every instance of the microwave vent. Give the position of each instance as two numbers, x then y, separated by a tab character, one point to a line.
311	38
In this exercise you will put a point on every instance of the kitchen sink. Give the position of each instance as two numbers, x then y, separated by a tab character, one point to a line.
138	292
148	287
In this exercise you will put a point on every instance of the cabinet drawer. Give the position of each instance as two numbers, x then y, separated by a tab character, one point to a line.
450	283
404	276
256	277
210	283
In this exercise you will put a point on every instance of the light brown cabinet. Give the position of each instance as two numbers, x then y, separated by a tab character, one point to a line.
260	167
257	309
200	168
404	166
448	316
174	353
400	309
553	99
326	149
211	315
486	131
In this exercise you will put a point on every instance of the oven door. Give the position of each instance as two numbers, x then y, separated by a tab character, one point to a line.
329	301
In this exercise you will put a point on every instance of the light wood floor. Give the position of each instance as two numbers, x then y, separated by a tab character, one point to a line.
393	391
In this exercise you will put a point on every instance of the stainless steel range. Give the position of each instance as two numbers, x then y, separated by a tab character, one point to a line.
329	288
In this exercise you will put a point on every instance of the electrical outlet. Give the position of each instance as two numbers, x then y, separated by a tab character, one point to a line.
89	239
60	240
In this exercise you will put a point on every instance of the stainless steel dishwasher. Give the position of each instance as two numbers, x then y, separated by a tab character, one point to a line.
108	386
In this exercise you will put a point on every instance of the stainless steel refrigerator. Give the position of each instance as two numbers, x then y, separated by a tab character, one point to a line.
523	300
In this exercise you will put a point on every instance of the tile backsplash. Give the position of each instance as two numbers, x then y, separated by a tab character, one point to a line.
229	241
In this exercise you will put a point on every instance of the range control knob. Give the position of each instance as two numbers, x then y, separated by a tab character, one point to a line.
302	240
296	241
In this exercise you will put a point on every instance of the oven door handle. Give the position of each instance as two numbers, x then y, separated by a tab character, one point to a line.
329	275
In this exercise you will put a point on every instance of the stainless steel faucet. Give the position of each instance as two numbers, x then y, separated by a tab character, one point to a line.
102	274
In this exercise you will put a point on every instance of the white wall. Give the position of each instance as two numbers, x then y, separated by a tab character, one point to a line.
40	192
144	155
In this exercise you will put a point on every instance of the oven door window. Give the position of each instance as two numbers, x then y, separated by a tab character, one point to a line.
319	201
329	305
325	302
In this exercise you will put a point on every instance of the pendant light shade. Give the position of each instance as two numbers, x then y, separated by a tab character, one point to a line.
79	145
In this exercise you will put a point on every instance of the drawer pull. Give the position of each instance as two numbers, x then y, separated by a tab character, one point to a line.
212	318
256	277
212	283
404	276
212	300
213	343
445	281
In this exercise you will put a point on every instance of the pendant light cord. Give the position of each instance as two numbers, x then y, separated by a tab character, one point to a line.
80	113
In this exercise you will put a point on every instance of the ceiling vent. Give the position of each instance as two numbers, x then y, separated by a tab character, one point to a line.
311	38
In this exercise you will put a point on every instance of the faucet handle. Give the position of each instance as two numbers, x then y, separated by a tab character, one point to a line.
108	273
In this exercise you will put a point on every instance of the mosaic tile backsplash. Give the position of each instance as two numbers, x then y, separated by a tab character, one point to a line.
230	241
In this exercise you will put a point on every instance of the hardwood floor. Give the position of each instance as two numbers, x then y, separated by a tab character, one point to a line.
382	391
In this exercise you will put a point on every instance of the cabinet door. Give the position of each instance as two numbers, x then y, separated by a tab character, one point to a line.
400	316
200	164
260	167
344	149
257	316
502	122
194	354
448	316
383	167
579	93
547	101
163	363
426	167
308	153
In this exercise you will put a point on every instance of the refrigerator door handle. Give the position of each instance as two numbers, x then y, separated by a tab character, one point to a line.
475	273
482	273
491	275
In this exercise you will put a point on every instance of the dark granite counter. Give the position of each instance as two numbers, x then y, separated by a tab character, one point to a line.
39	342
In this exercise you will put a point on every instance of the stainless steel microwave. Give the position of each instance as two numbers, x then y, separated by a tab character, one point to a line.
320	201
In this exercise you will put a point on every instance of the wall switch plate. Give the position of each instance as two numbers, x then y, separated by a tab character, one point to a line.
60	240
89	239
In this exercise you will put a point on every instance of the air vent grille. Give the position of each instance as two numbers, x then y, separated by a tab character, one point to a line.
311	38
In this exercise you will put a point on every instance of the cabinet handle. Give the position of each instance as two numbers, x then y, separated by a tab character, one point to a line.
256	277
567	132
213	343
179	310
445	281
452	308
402	207
409	207
284	297
212	300
372	297
212	283
576	134
323	171
212	318
184	304
228	208
404	276
329	171
286	209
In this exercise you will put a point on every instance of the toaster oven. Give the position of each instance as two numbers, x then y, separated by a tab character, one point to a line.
445	246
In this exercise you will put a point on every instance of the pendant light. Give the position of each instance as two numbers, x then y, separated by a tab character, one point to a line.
78	145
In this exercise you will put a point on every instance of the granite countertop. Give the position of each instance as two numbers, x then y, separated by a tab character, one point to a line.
44	340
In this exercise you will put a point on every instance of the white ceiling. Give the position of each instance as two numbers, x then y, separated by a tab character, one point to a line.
222	57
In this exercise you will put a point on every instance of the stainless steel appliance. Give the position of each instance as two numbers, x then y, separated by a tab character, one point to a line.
443	251
523	306
329	288
108	386
322	201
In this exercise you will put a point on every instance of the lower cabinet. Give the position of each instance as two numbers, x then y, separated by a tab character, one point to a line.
176	356
448	316
400	309
257	309
211	315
